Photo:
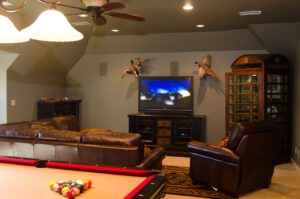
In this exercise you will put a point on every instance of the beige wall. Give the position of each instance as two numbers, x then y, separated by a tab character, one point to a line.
6	59
108	99
38	71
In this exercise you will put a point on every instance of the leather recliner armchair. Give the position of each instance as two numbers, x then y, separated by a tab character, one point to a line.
246	164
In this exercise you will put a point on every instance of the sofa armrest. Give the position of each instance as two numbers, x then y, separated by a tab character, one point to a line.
154	159
212	151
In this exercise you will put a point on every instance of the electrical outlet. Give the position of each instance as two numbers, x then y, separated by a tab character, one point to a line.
13	102
295	150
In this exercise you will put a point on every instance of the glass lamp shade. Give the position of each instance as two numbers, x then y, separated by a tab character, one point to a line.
52	26
9	33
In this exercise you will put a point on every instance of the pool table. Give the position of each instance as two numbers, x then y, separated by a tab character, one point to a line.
26	181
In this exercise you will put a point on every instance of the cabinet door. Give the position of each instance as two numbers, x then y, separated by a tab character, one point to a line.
244	97
145	127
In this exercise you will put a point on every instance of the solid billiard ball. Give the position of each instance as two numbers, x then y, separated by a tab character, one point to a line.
85	185
60	188
70	194
80	187
65	190
53	182
89	183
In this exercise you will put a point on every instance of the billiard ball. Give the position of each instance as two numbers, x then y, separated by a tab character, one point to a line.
65	190
80	187
53	182
89	183
85	185
60	188
76	191
70	194
79	181
55	187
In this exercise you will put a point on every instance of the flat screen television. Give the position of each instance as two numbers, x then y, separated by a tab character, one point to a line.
166	94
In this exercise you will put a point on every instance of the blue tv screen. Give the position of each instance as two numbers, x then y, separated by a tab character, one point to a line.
166	94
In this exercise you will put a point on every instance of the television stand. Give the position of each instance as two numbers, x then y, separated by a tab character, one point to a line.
171	131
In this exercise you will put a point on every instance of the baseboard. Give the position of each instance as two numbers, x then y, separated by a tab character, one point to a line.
295	164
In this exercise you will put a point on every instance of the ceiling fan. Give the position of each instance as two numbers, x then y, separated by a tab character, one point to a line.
97	8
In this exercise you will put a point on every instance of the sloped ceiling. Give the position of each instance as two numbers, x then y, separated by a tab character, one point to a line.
164	16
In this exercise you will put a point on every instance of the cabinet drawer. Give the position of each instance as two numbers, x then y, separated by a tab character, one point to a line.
164	123
163	141
164	132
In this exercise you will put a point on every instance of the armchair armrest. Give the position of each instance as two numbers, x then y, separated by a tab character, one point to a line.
212	151
154	160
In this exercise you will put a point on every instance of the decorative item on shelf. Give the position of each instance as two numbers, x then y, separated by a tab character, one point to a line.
54	99
205	68
135	68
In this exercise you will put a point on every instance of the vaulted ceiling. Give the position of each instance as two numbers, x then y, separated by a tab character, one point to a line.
167	16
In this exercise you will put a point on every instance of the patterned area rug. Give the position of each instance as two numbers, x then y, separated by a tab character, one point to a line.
180	183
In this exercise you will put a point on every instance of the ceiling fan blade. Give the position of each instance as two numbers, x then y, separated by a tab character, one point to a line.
75	7
99	20
112	6
126	16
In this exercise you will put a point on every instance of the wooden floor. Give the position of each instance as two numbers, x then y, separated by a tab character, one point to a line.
285	182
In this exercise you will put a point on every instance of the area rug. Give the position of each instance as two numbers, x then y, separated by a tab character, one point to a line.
178	182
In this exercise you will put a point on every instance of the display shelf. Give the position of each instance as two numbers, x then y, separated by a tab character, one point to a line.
258	89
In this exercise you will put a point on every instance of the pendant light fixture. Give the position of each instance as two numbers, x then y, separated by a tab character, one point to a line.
52	26
9	33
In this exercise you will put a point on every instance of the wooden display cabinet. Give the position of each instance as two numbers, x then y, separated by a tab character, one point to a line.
258	89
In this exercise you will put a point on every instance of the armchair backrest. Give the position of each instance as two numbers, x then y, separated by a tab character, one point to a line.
240	129
255	143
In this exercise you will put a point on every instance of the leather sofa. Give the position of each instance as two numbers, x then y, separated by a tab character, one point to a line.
246	164
59	139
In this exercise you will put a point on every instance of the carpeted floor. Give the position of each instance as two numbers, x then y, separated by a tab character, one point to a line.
180	183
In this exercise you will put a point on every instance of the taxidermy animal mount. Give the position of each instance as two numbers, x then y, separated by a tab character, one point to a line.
135	68
205	68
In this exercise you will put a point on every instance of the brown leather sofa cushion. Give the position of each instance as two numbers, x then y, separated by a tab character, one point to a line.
17	130
68	122
112	138
59	135
38	125
94	130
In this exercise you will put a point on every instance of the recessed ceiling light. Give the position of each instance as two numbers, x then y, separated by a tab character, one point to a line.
188	7
115	30
83	15
200	26
250	12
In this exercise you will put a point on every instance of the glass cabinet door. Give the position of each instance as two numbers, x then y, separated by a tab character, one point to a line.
277	96
242	97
